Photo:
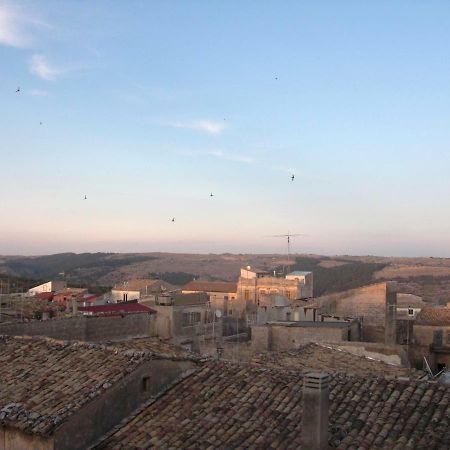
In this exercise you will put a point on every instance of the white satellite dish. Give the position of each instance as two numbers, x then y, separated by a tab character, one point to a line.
218	313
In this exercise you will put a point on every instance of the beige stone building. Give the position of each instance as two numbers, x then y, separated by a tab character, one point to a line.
50	286
431	339
138	288
221	294
254	284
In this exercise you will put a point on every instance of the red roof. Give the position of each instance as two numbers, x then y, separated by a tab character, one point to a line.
118	308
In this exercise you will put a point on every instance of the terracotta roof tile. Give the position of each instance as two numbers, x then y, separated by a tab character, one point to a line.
225	405
324	357
434	317
43	381
210	286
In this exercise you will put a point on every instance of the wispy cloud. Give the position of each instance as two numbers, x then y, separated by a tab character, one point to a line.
220	154
206	126
43	69
37	93
17	26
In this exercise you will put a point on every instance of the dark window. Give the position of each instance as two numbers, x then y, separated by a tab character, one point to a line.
146	384
191	318
246	295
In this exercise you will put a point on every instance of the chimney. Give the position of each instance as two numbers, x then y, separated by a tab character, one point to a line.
74	306
315	411
390	324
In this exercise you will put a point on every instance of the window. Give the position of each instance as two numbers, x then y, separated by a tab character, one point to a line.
125	297
191	318
274	291
225	297
230	313
288	316
146	384
288	294
262	292
246	295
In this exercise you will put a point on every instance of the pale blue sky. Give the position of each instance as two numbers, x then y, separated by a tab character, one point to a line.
148	106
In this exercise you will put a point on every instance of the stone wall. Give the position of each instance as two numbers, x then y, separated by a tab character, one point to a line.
86	328
14	439
368	302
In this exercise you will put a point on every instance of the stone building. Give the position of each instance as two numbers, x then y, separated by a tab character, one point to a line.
221	294
431	338
61	395
185	318
285	335
138	288
254	285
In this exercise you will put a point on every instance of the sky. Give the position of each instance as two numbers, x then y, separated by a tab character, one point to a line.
148	107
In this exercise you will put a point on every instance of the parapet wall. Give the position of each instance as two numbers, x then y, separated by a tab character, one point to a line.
86	328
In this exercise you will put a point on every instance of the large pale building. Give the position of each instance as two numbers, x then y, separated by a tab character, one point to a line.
255	284
50	286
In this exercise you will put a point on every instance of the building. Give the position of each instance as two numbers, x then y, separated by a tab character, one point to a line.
221	294
138	288
229	406
65	296
254	285
62	395
50	286
431	338
185	318
285	335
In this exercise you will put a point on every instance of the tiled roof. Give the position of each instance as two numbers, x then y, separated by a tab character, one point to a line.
118	308
210	286
230	406
154	346
324	357
43	381
142	284
434	317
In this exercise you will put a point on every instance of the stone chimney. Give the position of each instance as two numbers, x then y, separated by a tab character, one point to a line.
315	411
390	324
74	306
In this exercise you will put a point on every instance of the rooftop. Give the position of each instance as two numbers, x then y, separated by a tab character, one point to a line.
43	381
325	357
310	324
434	317
225	405
117	308
210	286
299	273
144	284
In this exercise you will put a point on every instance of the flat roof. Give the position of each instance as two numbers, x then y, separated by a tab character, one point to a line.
300	272
310	324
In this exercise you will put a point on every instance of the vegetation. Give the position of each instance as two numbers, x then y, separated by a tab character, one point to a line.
351	275
175	278
76	269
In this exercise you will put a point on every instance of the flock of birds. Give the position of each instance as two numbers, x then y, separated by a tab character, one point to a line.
173	218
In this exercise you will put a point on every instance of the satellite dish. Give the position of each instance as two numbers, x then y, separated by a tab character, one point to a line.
218	313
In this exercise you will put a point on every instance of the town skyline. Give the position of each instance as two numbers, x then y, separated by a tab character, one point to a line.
118	118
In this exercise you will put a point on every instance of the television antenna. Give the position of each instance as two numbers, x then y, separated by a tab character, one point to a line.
288	237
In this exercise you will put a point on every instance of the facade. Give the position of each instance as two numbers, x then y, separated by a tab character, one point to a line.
431	339
50	286
221	294
254	285
285	335
60	395
65	296
185	318
137	289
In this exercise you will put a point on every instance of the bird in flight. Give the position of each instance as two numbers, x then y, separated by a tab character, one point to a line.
292	177
18	89
276	78
173	219
211	195
40	123
85	197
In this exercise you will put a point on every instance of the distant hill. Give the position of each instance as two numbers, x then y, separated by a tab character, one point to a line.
427	277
